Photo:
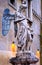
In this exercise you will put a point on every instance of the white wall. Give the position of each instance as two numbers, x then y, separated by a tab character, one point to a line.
37	6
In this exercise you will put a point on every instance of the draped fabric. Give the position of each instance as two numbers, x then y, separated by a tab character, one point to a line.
24	34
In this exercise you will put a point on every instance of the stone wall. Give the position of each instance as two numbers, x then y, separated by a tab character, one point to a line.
5	41
37	7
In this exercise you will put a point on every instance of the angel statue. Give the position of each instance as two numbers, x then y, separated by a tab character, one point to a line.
22	32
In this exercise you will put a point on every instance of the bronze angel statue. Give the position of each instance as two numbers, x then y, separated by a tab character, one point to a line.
22	32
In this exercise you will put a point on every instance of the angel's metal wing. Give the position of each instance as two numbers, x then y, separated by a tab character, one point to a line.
5	22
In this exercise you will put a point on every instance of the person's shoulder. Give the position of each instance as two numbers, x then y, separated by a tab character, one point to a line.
15	45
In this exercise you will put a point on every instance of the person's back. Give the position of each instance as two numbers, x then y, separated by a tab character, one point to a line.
14	49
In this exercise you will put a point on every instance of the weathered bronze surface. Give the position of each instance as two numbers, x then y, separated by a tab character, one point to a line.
24	58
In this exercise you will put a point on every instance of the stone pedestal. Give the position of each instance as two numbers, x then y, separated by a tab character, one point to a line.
24	58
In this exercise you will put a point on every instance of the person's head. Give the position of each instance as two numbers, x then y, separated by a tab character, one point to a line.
13	42
37	49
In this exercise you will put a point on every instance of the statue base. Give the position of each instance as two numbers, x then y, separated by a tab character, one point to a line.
24	58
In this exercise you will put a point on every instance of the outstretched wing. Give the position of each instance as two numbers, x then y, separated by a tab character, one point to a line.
5	25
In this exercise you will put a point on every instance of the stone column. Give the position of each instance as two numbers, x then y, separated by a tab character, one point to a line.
31	9
27	9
